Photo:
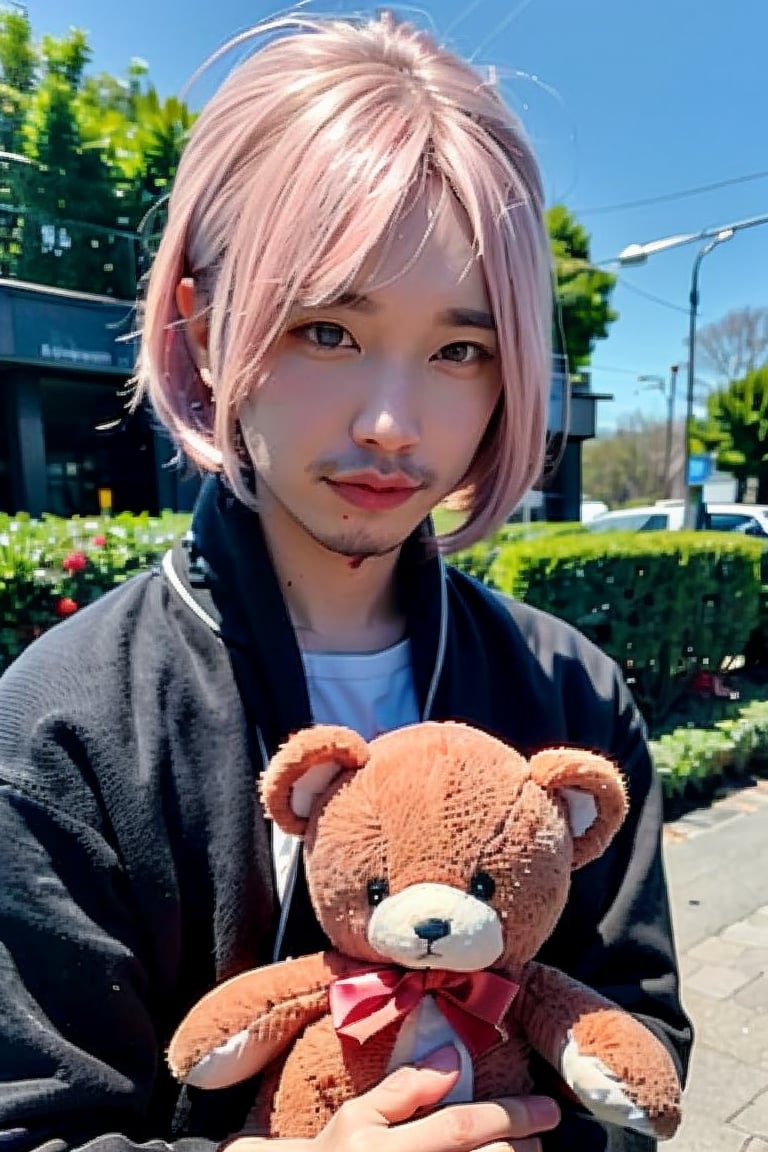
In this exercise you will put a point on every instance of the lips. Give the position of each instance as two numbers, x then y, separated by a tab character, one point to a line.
373	492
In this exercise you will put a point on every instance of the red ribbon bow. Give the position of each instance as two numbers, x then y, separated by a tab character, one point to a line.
473	1003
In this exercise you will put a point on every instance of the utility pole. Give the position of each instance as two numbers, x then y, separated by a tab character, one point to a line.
670	426
667	389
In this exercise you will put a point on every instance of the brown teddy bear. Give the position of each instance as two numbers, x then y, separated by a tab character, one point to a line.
438	861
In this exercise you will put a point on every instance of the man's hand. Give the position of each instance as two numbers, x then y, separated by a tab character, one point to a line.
382	1120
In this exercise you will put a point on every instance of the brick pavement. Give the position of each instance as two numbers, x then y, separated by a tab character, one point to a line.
717	863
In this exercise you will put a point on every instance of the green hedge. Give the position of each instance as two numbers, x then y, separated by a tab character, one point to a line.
694	762
479	559
662	604
50	568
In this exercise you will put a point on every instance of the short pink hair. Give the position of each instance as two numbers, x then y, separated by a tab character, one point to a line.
293	172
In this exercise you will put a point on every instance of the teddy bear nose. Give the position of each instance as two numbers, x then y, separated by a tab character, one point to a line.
432	929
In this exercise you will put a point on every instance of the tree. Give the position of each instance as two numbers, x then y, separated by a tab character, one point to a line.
628	466
74	186
86	156
736	345
736	430
583	291
17	68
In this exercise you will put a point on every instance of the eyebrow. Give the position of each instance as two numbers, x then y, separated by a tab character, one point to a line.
448	318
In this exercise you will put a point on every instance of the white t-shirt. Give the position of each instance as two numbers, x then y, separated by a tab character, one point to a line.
371	692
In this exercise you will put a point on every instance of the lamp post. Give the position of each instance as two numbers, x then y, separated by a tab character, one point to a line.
668	392
635	254
693	493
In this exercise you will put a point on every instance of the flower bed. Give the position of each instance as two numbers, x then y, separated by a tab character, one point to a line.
51	568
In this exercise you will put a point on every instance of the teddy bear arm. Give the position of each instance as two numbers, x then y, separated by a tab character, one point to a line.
243	1024
615	1065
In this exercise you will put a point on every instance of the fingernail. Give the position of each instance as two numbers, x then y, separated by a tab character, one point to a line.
445	1059
543	1111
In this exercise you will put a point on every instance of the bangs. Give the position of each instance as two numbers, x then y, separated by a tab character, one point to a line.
319	211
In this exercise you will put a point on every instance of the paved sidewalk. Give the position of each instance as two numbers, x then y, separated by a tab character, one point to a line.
717	864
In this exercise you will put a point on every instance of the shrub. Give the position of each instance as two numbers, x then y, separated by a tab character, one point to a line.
692	762
479	559
662	604
51	568
756	650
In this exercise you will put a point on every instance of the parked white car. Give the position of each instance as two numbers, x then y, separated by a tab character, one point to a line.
749	519
668	515
592	508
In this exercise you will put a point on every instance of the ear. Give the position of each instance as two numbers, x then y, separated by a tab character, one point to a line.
303	769
593	791
196	327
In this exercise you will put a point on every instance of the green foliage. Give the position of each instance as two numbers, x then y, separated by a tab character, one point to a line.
87	156
661	604
479	560
736	429
692	761
51	569
17	68
583	292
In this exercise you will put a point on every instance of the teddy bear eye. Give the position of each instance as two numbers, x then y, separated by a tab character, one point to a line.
482	886
378	890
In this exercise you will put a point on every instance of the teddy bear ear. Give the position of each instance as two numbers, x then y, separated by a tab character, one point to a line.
593	790
304	767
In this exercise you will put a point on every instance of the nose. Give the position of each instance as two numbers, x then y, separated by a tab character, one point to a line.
432	929
387	419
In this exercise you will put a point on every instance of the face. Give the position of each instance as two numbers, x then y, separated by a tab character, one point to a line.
374	407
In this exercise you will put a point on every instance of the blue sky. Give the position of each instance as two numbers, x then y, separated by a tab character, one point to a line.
626	101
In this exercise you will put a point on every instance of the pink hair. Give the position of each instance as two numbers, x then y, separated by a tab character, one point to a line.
294	171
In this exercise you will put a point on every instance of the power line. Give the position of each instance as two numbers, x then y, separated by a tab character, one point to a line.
650	296
667	196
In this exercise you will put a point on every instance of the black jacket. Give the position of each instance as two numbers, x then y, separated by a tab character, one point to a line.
135	863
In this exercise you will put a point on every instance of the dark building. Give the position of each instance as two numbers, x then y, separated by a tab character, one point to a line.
68	443
572	420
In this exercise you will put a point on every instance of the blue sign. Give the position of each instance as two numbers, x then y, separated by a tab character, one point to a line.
700	468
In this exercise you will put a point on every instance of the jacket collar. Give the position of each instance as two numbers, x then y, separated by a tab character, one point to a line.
228	553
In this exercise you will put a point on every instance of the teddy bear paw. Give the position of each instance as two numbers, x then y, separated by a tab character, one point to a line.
601	1091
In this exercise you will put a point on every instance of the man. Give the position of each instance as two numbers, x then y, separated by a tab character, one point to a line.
347	320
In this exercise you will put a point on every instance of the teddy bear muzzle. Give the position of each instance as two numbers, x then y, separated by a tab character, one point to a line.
436	926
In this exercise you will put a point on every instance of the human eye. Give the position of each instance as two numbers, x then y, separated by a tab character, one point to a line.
324	334
464	352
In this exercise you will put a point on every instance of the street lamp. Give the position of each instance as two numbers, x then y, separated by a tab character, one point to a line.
635	254
638	253
692	502
668	393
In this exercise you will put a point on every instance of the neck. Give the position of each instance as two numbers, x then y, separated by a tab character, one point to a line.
337	603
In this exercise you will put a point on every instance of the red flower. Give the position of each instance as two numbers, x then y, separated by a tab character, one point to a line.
75	562
66	606
99	541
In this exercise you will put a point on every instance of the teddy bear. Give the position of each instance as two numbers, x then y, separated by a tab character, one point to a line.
438	861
